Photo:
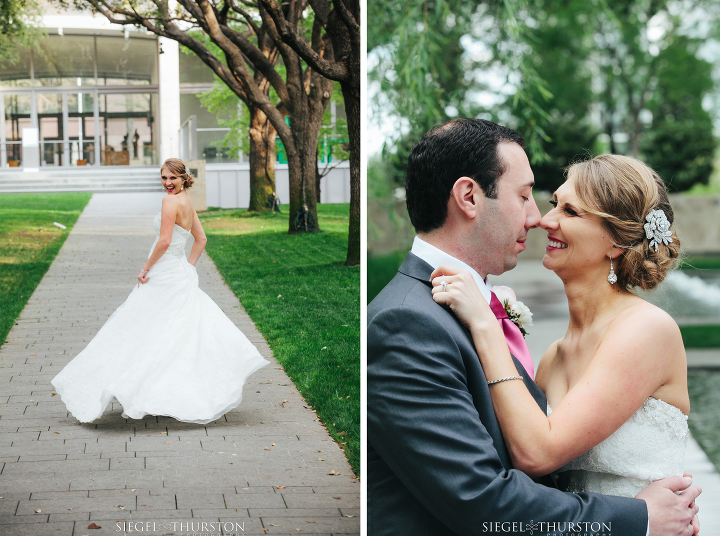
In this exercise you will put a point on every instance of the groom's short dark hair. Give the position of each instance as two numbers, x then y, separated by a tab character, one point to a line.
463	147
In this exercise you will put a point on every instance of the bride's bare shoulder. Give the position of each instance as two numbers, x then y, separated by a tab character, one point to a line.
646	327
644	314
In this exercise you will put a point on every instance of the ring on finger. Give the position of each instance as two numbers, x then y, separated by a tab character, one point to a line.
443	286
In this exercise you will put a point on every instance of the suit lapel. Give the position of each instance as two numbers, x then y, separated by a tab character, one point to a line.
415	267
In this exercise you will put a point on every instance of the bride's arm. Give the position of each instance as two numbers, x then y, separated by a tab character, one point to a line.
200	240
632	361
168	213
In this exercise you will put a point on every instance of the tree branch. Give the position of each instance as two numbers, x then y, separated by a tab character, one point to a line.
246	15
332	70
239	69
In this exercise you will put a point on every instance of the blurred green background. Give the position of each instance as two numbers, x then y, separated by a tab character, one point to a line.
634	77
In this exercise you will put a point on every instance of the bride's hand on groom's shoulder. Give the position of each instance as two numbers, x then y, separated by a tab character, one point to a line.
457	290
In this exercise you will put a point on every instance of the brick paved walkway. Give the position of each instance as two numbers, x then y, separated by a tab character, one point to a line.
265	465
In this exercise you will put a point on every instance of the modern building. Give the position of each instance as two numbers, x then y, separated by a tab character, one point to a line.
97	95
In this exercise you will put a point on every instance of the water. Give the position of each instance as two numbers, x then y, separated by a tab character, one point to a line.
704	422
689	295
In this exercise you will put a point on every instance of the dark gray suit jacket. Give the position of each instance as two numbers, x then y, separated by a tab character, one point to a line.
437	463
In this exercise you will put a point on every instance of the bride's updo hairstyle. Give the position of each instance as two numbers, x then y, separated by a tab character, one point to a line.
177	168
622	191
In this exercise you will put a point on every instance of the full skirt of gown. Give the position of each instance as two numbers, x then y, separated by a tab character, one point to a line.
167	350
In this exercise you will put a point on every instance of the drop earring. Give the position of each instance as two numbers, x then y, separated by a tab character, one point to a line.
612	278
183	186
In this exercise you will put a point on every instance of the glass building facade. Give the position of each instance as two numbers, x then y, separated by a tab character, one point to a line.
86	99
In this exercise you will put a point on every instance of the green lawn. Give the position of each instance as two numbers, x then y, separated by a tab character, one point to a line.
704	421
702	336
28	244
304	302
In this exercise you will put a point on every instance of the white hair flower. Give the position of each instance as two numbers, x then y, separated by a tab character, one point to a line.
657	228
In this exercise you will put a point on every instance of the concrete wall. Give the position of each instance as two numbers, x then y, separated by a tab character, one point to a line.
228	185
198	192
696	224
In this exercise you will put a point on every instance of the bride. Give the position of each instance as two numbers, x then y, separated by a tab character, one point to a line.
617	380
169	349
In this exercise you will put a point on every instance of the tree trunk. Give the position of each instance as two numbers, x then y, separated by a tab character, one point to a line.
306	119
262	160
301	171
635	134
352	110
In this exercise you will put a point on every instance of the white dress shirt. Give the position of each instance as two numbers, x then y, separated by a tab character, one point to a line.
435	257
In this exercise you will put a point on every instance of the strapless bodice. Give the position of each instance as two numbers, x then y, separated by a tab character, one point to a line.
649	446
177	242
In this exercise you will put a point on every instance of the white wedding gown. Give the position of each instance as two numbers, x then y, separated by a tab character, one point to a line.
649	446
168	350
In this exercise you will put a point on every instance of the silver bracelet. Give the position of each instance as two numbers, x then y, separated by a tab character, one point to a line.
505	379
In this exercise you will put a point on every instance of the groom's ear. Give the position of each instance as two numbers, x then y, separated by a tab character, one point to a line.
466	197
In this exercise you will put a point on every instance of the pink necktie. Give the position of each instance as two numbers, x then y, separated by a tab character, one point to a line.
514	337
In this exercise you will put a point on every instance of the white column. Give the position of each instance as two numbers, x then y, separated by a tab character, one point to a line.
169	98
3	148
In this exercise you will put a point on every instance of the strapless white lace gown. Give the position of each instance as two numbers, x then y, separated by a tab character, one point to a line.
168	350
649	446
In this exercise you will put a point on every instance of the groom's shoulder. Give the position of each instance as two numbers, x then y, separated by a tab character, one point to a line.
402	292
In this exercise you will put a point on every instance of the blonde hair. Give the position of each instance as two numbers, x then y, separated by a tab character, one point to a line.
177	168
622	191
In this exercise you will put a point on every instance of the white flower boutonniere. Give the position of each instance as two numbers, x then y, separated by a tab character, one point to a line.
517	311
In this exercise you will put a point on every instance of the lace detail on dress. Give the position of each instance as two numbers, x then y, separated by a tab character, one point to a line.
649	446
178	241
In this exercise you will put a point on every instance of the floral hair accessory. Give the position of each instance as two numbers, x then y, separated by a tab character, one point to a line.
518	313
657	228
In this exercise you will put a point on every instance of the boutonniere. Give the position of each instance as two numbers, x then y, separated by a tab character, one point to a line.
517	311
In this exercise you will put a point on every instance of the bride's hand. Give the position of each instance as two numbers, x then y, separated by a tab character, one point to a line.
142	278
462	295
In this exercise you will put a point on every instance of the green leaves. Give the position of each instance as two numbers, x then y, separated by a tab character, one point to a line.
20	27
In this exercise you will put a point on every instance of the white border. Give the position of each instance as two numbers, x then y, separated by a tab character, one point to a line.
363	268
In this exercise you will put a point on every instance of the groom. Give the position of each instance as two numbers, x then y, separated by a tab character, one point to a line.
437	463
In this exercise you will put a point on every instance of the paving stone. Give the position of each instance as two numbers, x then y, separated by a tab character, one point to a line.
307	525
52	495
294	512
201	500
60	528
11	520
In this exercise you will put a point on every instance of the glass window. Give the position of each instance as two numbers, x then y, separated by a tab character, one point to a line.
190	105
65	60
49	110
17	117
126	61
193	70
18	74
81	129
207	140
128	129
209	148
